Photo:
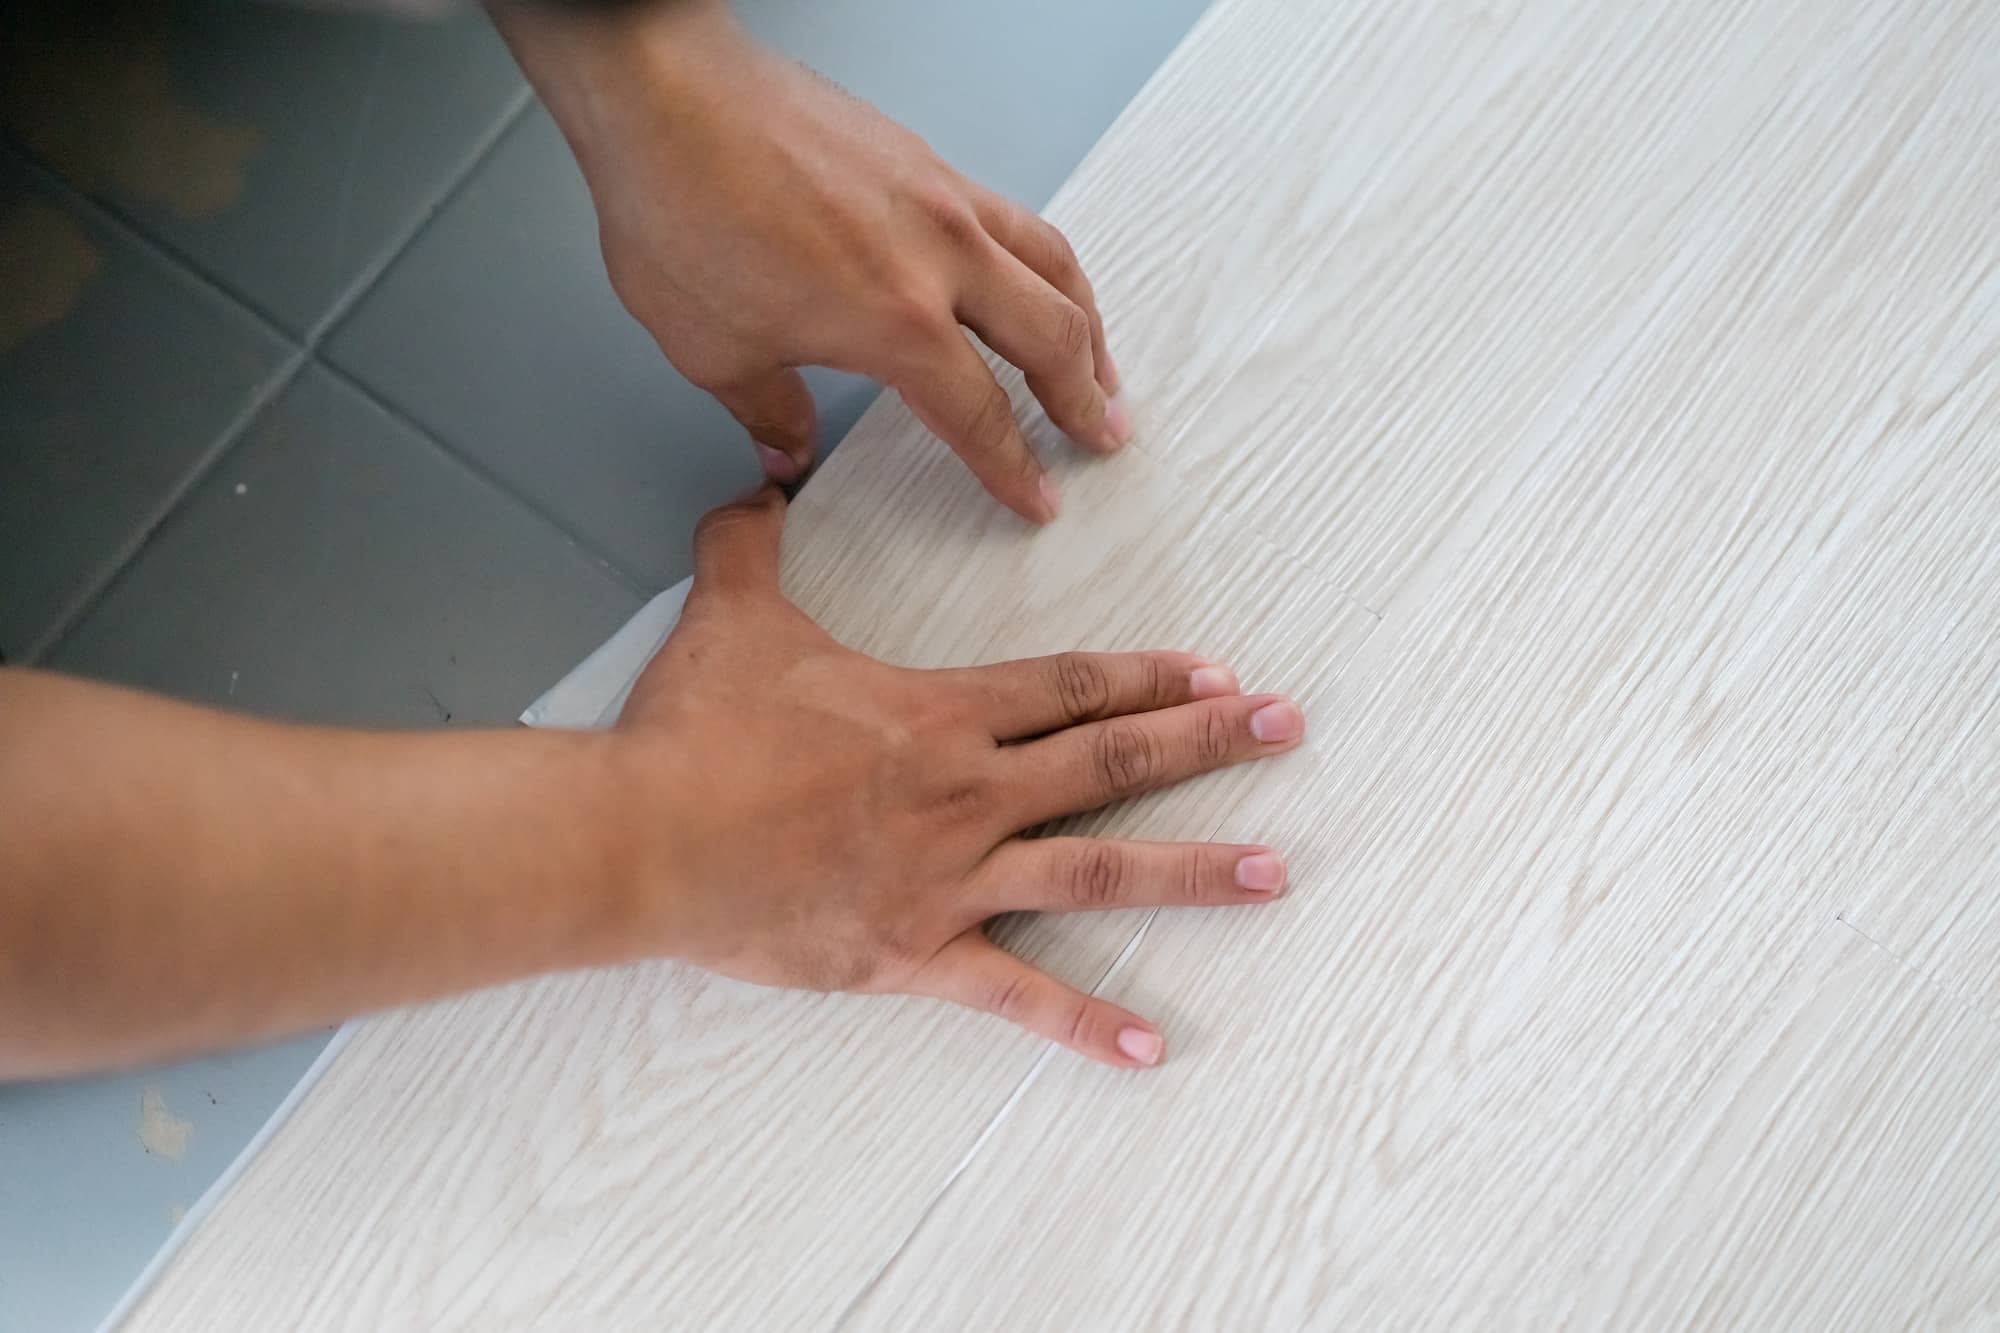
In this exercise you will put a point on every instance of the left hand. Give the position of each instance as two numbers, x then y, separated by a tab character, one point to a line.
798	814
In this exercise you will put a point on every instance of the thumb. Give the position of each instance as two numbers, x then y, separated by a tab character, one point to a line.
777	409
736	547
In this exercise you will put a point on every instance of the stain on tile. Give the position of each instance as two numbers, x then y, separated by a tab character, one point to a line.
336	567
161	1132
282	148
97	102
49	261
118	372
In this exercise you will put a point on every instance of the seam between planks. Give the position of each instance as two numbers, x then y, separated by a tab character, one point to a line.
1048	1052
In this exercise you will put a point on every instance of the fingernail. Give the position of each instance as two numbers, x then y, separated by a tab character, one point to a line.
1051	499
1118	422
1141	1045
778	466
1261	872
1112	379
1278	722
1211	682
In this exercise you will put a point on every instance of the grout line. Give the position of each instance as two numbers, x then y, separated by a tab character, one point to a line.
991	1128
632	580
281	378
128	551
365	280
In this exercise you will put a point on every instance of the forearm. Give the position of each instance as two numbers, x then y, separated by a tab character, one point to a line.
174	878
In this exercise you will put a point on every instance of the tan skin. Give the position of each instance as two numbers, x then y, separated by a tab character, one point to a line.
772	806
756	219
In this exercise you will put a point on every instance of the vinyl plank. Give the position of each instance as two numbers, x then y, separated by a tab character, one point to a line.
336	568
1934	556
1660	685
576	1151
1840	1170
1607	769
1448	326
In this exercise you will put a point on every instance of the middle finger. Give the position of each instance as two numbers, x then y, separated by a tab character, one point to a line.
1092	765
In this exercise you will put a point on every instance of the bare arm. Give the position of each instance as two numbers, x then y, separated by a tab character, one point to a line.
172	878
771	806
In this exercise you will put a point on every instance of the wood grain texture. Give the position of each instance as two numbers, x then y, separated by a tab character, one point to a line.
577	1151
1932	567
1639	365
1642	725
1862	1097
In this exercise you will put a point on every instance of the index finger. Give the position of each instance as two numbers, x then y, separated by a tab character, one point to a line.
959	401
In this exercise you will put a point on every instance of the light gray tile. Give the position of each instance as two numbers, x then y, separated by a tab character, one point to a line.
281	147
1012	94
336	567
499	331
86	1204
118	372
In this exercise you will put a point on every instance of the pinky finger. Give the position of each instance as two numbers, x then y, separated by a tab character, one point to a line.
979	974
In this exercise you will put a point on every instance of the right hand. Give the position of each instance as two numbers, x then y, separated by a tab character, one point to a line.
756	219
850	825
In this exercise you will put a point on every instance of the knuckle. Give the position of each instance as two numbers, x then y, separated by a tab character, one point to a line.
1083	687
1072	331
1057	253
914	315
1096	877
1010	997
962	802
1084	411
1158	680
1214	738
992	420
1126	759
950	215
717	522
1082	1024
1193	873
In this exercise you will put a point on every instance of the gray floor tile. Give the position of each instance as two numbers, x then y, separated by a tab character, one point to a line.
499	331
1012	94
335	567
87	1204
118	372
281	147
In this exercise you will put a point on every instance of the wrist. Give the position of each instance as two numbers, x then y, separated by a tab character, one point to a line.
638	802
601	71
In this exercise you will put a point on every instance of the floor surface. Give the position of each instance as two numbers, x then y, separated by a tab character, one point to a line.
1591	413
315	402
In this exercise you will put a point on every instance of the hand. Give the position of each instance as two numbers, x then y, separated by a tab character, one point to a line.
755	218
850	825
